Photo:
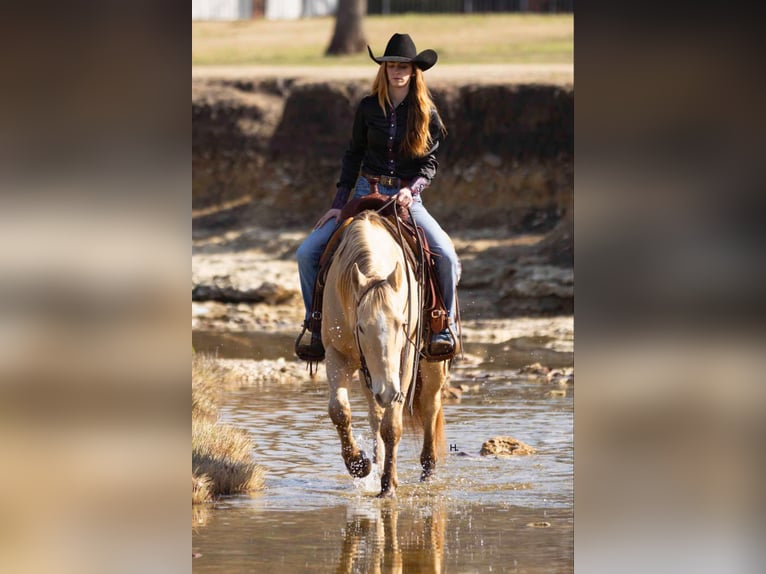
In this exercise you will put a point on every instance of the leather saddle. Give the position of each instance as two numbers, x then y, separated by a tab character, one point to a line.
435	318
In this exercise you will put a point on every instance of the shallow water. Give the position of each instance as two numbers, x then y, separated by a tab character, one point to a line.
478	514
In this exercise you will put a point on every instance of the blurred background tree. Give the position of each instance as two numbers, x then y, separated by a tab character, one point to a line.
348	37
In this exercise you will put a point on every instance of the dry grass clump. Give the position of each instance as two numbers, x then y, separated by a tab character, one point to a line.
222	461
201	488
210	377
224	454
206	375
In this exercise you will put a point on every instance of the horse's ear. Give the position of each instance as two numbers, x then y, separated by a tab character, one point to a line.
359	278
395	277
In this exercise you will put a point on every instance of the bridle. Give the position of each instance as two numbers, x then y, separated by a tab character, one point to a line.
363	363
418	313
364	369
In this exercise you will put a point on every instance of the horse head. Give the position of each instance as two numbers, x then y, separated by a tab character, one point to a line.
381	331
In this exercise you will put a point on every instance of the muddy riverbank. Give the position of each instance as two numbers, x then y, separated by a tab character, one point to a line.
247	280
270	149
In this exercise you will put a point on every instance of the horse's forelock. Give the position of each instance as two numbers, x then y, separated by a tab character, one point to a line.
356	247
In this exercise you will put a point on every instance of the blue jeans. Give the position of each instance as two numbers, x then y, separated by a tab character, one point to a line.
446	260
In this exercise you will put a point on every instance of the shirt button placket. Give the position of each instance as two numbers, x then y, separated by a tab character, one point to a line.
391	133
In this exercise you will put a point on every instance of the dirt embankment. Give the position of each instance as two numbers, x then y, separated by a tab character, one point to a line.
507	159
266	156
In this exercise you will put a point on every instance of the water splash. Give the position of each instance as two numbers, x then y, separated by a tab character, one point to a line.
370	484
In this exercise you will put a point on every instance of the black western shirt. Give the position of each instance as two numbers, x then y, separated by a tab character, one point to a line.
375	146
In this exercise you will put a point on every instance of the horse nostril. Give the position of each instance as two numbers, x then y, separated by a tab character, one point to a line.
397	397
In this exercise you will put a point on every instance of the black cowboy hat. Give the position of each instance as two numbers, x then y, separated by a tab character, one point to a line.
401	48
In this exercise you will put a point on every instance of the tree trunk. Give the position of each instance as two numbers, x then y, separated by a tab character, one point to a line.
348	37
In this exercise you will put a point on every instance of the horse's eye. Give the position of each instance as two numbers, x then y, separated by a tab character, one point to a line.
361	330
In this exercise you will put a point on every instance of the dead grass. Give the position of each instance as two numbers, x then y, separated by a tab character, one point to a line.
205	389
201	489
458	38
222	460
209	380
224	454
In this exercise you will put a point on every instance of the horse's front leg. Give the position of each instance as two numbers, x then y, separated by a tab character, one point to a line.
430	404
390	432
375	416
339	375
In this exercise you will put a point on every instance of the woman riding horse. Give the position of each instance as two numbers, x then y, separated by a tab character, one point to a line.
395	138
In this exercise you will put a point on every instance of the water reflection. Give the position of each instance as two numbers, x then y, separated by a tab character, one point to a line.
243	345
381	538
364	534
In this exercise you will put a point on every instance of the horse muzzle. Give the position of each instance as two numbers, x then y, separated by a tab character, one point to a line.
385	399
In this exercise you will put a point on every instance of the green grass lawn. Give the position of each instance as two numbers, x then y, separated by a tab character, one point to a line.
458	38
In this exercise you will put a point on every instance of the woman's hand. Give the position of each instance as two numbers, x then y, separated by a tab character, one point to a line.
404	197
331	214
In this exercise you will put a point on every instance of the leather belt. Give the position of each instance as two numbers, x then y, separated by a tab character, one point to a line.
386	180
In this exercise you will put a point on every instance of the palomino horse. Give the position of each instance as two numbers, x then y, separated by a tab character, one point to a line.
371	309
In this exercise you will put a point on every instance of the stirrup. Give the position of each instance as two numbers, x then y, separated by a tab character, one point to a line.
441	354
314	351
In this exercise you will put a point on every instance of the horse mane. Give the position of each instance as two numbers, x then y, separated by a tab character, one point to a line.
355	247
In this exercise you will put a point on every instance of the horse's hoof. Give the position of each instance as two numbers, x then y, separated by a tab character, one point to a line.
388	493
360	466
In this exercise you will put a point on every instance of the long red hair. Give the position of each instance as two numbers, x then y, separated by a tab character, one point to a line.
417	141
